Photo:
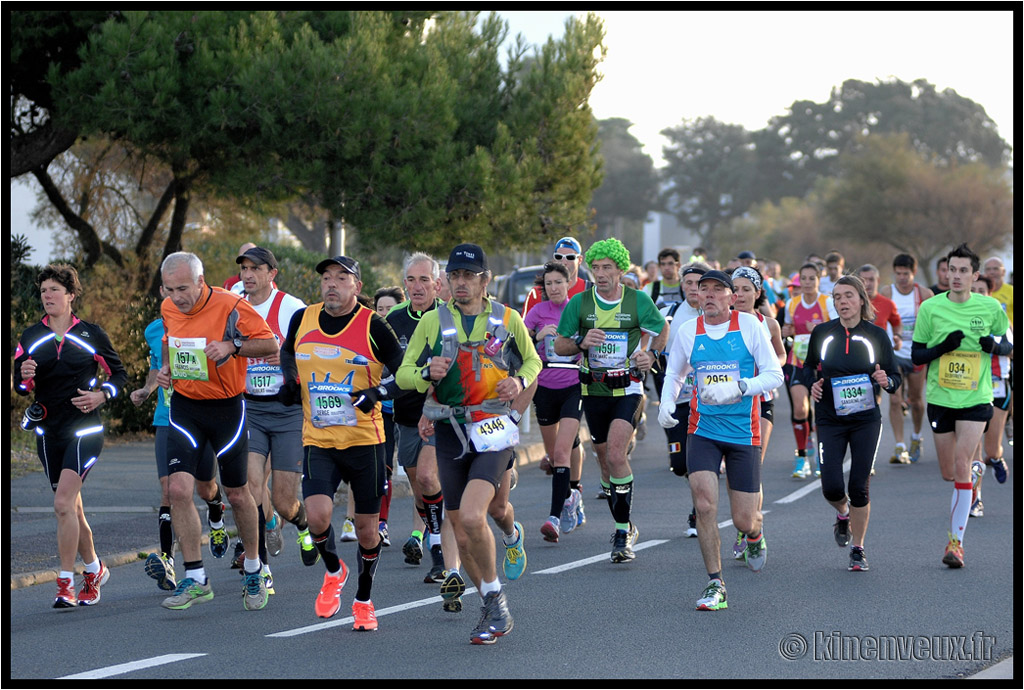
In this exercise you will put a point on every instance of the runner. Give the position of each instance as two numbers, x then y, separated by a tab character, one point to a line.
803	312
1001	290
750	297
209	332
418	457
680	313
849	362
383	300
275	429
1002	388
557	400
160	566
57	361
478	357
668	289
609	324
733	364
333	357
886	314
959	386
835	263
941	276
908	296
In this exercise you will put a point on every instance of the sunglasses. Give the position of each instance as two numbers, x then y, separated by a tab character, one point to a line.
565	257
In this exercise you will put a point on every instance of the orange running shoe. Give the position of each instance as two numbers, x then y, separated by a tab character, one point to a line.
66	598
90	593
364	615
954	556
328	601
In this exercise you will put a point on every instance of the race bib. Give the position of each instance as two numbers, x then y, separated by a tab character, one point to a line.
959	370
495	433
330	404
262	378
188	361
907	329
549	351
998	387
611	354
852	394
716	372
800	343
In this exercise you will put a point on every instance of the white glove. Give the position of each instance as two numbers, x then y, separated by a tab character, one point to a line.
723	393
665	415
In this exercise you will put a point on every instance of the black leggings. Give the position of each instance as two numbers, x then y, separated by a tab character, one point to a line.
862	438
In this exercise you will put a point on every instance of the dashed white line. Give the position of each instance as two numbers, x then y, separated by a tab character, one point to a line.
108	671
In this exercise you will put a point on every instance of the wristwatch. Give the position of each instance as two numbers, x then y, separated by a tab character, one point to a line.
743	386
425	371
237	342
516	416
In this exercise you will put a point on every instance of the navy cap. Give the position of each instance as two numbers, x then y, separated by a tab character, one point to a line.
467	257
258	255
721	277
350	265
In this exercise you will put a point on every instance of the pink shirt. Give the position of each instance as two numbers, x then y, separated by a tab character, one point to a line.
540	315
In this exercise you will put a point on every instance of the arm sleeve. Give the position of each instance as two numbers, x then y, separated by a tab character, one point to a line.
532	363
678	361
769	372
20	355
110	361
407	376
887	360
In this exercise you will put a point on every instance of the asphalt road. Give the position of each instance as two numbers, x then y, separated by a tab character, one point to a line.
576	614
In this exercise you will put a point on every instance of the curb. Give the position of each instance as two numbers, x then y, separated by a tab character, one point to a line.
526	455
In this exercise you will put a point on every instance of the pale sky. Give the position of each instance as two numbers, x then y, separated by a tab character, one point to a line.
746	67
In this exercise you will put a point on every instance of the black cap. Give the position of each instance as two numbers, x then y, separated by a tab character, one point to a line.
746	255
690	270
258	255
467	257
349	264
721	277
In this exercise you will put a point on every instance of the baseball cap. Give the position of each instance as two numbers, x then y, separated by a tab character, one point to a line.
258	255
467	257
720	276
350	265
570	242
746	255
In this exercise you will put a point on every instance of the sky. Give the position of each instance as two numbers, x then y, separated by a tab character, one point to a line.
746	67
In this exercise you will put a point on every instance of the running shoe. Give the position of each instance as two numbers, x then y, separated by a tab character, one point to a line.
220	542
812	459
641	428
713	597
275	539
622	545
999	469
160	567
570	511
435	575
857	560
307	549
756	553
977	509
187	593
513	479
977	474
581	515
900	456
954	556
495	620
254	591
66	598
515	556
268	578
413	550
385	536
348	531
841	530
239	556
364	617
328	601
91	583
800	468
915	450
452	589
739	547
691	523
550	529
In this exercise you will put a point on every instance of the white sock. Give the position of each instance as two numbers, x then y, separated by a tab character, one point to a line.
217	525
959	511
93	567
198	575
488	587
66	575
251	565
510	539
433	539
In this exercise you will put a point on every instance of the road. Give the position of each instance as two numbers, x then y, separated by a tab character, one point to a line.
576	614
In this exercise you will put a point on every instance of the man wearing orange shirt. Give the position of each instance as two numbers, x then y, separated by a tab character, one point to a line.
209	333
886	315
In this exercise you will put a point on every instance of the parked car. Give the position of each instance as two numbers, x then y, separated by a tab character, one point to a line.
514	287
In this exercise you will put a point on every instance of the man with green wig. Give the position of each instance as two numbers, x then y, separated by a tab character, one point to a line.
621	334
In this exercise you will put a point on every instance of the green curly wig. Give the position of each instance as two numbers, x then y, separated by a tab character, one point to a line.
612	249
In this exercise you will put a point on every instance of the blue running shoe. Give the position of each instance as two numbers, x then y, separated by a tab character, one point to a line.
999	469
515	556
160	567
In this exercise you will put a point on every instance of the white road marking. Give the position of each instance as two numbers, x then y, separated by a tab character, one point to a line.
117	670
803	491
596	559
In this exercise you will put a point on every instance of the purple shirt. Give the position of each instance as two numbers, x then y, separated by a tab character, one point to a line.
540	315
